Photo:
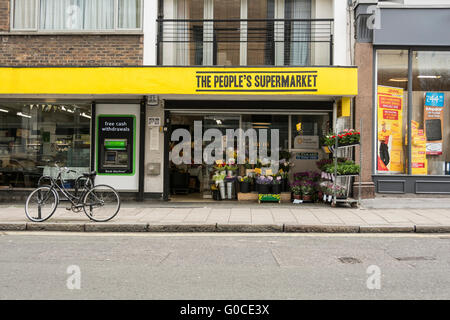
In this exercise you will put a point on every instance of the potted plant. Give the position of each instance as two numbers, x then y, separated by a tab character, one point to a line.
244	183
296	191
307	188
276	184
264	184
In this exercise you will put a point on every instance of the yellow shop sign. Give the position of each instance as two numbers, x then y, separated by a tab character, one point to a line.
331	81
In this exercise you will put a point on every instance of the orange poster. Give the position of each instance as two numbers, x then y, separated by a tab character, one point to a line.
390	127
418	150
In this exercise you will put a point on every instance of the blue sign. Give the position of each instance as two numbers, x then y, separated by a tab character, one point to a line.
434	99
307	156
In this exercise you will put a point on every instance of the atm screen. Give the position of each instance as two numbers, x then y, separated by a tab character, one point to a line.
111	157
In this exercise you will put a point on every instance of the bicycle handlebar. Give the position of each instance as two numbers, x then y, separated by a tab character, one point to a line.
64	169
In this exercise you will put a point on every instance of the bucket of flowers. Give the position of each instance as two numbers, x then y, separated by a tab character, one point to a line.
244	183
219	181
264	184
276	184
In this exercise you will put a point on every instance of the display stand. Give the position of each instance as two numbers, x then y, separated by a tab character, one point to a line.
346	180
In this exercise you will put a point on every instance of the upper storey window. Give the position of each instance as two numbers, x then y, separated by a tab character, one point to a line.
76	15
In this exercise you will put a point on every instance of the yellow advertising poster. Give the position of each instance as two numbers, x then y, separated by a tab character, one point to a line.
418	150
390	128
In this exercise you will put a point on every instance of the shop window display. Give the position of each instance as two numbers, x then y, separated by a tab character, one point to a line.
392	94
430	112
35	136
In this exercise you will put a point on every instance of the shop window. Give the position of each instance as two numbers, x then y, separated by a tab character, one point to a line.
269	122
430	113
307	130
260	33
33	137
392	94
297	50
77	15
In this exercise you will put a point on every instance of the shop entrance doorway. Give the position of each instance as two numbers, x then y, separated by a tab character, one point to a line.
192	182
299	149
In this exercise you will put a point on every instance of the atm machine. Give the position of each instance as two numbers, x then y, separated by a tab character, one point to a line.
116	154
116	147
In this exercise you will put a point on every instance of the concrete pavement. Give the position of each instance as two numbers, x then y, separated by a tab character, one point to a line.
233	217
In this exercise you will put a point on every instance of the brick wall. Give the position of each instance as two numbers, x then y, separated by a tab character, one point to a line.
4	15
73	50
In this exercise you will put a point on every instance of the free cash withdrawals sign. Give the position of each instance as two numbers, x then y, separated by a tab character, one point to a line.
329	81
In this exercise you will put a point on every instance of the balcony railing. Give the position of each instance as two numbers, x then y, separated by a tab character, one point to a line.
292	42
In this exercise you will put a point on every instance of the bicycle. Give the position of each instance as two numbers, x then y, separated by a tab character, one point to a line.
100	203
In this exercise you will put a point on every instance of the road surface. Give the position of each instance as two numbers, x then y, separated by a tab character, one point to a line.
45	265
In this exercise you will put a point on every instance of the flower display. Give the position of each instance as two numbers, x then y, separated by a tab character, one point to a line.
347	137
308	187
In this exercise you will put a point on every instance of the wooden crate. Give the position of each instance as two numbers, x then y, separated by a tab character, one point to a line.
251	196
285	197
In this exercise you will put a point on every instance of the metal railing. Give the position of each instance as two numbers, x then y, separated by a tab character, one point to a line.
293	42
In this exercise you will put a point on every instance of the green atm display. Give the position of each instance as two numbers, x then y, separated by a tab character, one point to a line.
115	144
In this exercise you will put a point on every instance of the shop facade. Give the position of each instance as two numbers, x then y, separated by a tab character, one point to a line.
404	62
120	121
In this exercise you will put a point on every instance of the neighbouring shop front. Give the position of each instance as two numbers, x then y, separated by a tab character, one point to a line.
123	129
412	101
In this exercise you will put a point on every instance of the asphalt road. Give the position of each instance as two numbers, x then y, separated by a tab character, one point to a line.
224	266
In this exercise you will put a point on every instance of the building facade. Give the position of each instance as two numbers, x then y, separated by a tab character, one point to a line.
102	85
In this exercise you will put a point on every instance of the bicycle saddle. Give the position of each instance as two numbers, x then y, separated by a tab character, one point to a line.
90	174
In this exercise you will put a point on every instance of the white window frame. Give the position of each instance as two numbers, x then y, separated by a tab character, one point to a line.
36	16
115	28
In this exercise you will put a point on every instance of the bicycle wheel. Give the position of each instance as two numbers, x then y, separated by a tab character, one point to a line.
101	203
41	204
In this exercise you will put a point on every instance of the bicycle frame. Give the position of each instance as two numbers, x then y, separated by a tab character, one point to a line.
74	200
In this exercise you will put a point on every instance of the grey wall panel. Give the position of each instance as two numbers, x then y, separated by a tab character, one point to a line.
391	186
413	27
422	186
